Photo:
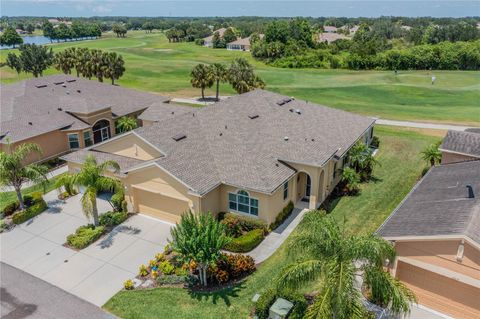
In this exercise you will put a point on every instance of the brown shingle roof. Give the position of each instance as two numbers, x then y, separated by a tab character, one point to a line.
462	142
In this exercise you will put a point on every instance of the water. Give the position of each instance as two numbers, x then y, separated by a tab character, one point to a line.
34	39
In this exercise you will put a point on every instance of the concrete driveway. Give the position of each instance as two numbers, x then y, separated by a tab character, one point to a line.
95	273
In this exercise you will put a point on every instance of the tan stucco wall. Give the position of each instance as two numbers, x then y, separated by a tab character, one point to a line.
448	158
92	118
130	146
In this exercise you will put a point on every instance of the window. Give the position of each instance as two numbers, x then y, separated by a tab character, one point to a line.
73	141
87	137
285	190
334	170
243	203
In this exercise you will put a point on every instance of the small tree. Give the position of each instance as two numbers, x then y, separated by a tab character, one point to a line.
351	179
14	62
242	77
229	35
362	160
114	66
30	28
10	37
218	42
219	74
201	78
126	123
35	58
199	238
14	173
432	154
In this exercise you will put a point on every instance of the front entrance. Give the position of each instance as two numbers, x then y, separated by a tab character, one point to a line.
101	131
308	188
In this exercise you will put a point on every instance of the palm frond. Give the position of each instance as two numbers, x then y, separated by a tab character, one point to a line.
299	273
322	306
88	201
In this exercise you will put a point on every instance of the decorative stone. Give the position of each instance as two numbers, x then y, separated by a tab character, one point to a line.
147	283
255	298
136	282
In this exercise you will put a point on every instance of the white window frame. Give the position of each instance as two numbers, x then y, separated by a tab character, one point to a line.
69	141
237	203
285	191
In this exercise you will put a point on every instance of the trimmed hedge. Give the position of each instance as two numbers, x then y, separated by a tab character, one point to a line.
37	205
286	211
112	218
267	299
246	242
84	236
236	225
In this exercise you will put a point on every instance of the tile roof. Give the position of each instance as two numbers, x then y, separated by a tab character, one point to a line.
329	28
331	37
47	101
445	202
225	145
467	142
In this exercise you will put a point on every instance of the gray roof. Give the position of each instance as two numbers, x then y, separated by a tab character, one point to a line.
123	161
160	111
446	202
467	142
38	101
224	145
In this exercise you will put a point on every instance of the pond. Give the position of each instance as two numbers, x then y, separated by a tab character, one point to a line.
40	39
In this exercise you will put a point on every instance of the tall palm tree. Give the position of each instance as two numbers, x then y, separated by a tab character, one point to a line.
327	255
92	178
64	61
432	154
242	77
82	56
201	78
219	74
14	173
126	123
114	66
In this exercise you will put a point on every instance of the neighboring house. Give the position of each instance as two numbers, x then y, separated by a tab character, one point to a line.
460	146
250	154
406	27
242	44
62	113
329	29
331	37
436	233
354	29
208	41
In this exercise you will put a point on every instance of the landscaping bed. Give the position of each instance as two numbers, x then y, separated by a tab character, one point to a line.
34	205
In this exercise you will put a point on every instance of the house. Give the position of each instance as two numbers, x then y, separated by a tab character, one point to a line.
208	41
331	37
436	234
406	27
458	146
329	29
61	113
242	44
250	154
354	29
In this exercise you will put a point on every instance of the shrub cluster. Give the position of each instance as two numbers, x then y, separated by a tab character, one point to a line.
35	204
267	299
111	219
84	236
237	225
246	242
232	266
281	216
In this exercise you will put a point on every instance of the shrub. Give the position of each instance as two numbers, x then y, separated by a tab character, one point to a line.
166	267
237	224
159	257
154	274
128	284
117	200
351	179
246	242
113	218
267	299
240	264
32	211
375	142
84	236
11	208
286	211
143	270
28	200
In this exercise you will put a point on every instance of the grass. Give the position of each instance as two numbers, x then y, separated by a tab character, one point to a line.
8	197
155	65
400	169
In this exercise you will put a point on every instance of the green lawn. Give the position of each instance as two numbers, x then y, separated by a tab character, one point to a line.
155	65
400	168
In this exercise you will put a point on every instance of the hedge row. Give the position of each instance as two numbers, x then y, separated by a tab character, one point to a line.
84	236
246	242
37	205
282	216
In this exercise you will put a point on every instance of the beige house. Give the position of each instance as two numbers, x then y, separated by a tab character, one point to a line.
460	146
250	154
331	37
63	113
208	41
436	233
242	44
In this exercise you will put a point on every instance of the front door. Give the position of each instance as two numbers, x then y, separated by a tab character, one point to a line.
308	187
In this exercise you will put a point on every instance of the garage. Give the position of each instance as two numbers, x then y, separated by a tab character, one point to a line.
160	206
440	293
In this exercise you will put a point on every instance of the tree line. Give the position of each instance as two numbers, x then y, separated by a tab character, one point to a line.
89	63
77	30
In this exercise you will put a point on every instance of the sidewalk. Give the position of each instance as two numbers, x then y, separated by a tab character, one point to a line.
422	125
51	174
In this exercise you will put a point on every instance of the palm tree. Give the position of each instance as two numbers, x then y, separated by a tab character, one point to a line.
126	123
327	255
199	238
362	160
114	66
64	61
201	78
14	173
219	74
432	154
92	178
242	78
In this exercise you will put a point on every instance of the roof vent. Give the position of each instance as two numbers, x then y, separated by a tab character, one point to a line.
64	85
286	138
30	123
58	83
225	127
291	110
284	101
79	91
71	80
221	134
68	93
298	111
39	86
253	116
471	194
179	137
173	113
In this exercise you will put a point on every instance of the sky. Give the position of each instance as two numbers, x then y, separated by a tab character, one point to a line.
227	8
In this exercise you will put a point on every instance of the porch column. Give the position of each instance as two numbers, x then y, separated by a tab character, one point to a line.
314	183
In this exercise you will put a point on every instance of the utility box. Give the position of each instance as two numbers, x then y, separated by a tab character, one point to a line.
280	309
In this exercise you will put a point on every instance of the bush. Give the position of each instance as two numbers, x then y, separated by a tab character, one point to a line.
117	201
246	242
112	218
142	270
199	41
286	211
236	225
128	284
39	206
352	180
267	299
84	236
11	208
232	266
375	142
166	267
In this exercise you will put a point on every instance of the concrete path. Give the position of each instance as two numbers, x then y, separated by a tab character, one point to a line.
95	273
196	100
276	238
422	125
25	296
51	174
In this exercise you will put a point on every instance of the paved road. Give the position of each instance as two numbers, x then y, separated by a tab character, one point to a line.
422	125
25	296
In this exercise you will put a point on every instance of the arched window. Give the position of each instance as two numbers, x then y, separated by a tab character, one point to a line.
101	131
243	203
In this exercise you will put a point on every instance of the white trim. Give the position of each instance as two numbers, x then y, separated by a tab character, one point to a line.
434	238
459	153
444	316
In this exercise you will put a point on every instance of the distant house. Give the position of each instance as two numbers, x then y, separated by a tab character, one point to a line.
354	29
460	146
436	234
242	44
208	41
330	29
331	37
406	27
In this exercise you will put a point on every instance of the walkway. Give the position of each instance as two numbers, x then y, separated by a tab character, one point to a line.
25	296
197	100
51	174
422	125
276	238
